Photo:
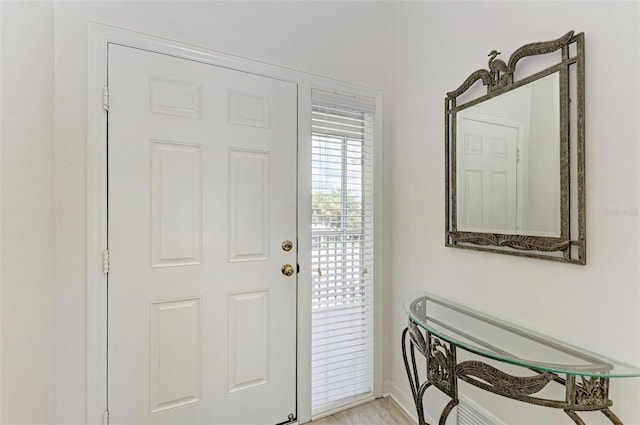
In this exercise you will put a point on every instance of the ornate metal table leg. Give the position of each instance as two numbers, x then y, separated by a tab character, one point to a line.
443	417
417	389
608	413
612	417
588	394
573	415
441	369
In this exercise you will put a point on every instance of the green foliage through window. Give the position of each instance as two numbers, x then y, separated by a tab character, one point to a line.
333	210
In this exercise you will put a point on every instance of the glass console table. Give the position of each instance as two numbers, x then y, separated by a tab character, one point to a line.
437	328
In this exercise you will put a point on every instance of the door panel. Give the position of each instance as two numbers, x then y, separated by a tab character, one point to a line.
176	204
249	213
487	161
175	354
202	192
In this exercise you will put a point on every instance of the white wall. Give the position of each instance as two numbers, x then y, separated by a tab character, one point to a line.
349	41
0	214
27	369
437	45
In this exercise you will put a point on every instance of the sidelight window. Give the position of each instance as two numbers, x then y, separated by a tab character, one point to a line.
342	251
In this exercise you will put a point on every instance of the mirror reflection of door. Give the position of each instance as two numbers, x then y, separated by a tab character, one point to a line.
508	156
487	183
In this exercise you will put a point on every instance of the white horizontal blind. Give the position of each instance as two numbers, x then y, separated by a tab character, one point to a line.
342	257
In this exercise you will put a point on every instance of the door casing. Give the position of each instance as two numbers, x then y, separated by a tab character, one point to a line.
100	36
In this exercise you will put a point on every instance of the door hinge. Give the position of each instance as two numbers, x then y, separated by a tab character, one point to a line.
106	261
517	155
105	417
105	98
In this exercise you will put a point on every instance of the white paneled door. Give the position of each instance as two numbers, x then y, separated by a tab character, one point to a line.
487	176
202	195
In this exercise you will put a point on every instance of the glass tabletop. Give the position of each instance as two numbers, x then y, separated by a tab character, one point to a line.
494	338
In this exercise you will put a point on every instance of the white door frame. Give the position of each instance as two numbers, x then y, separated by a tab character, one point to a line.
100	36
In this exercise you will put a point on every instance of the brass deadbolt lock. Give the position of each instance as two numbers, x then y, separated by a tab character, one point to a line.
287	246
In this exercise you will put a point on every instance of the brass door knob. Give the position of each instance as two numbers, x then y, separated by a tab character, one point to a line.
287	270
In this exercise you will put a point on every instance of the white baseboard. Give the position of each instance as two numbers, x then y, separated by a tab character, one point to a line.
404	400
357	401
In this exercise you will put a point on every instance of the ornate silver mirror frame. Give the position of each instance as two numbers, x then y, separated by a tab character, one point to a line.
563	61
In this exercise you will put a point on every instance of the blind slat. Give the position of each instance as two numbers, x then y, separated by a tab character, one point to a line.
342	102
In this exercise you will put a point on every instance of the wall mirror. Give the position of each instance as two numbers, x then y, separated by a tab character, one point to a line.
514	146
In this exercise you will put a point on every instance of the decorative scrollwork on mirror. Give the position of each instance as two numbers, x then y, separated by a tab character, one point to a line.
515	160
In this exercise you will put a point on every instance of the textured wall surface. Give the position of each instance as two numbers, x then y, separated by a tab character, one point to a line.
436	46
27	369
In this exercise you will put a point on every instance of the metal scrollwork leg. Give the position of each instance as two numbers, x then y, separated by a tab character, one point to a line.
417	389
573	415
443	417
419	405
412	382
589	394
612	417
442	365
441	369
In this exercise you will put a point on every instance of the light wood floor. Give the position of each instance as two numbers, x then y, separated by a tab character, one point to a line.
383	411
